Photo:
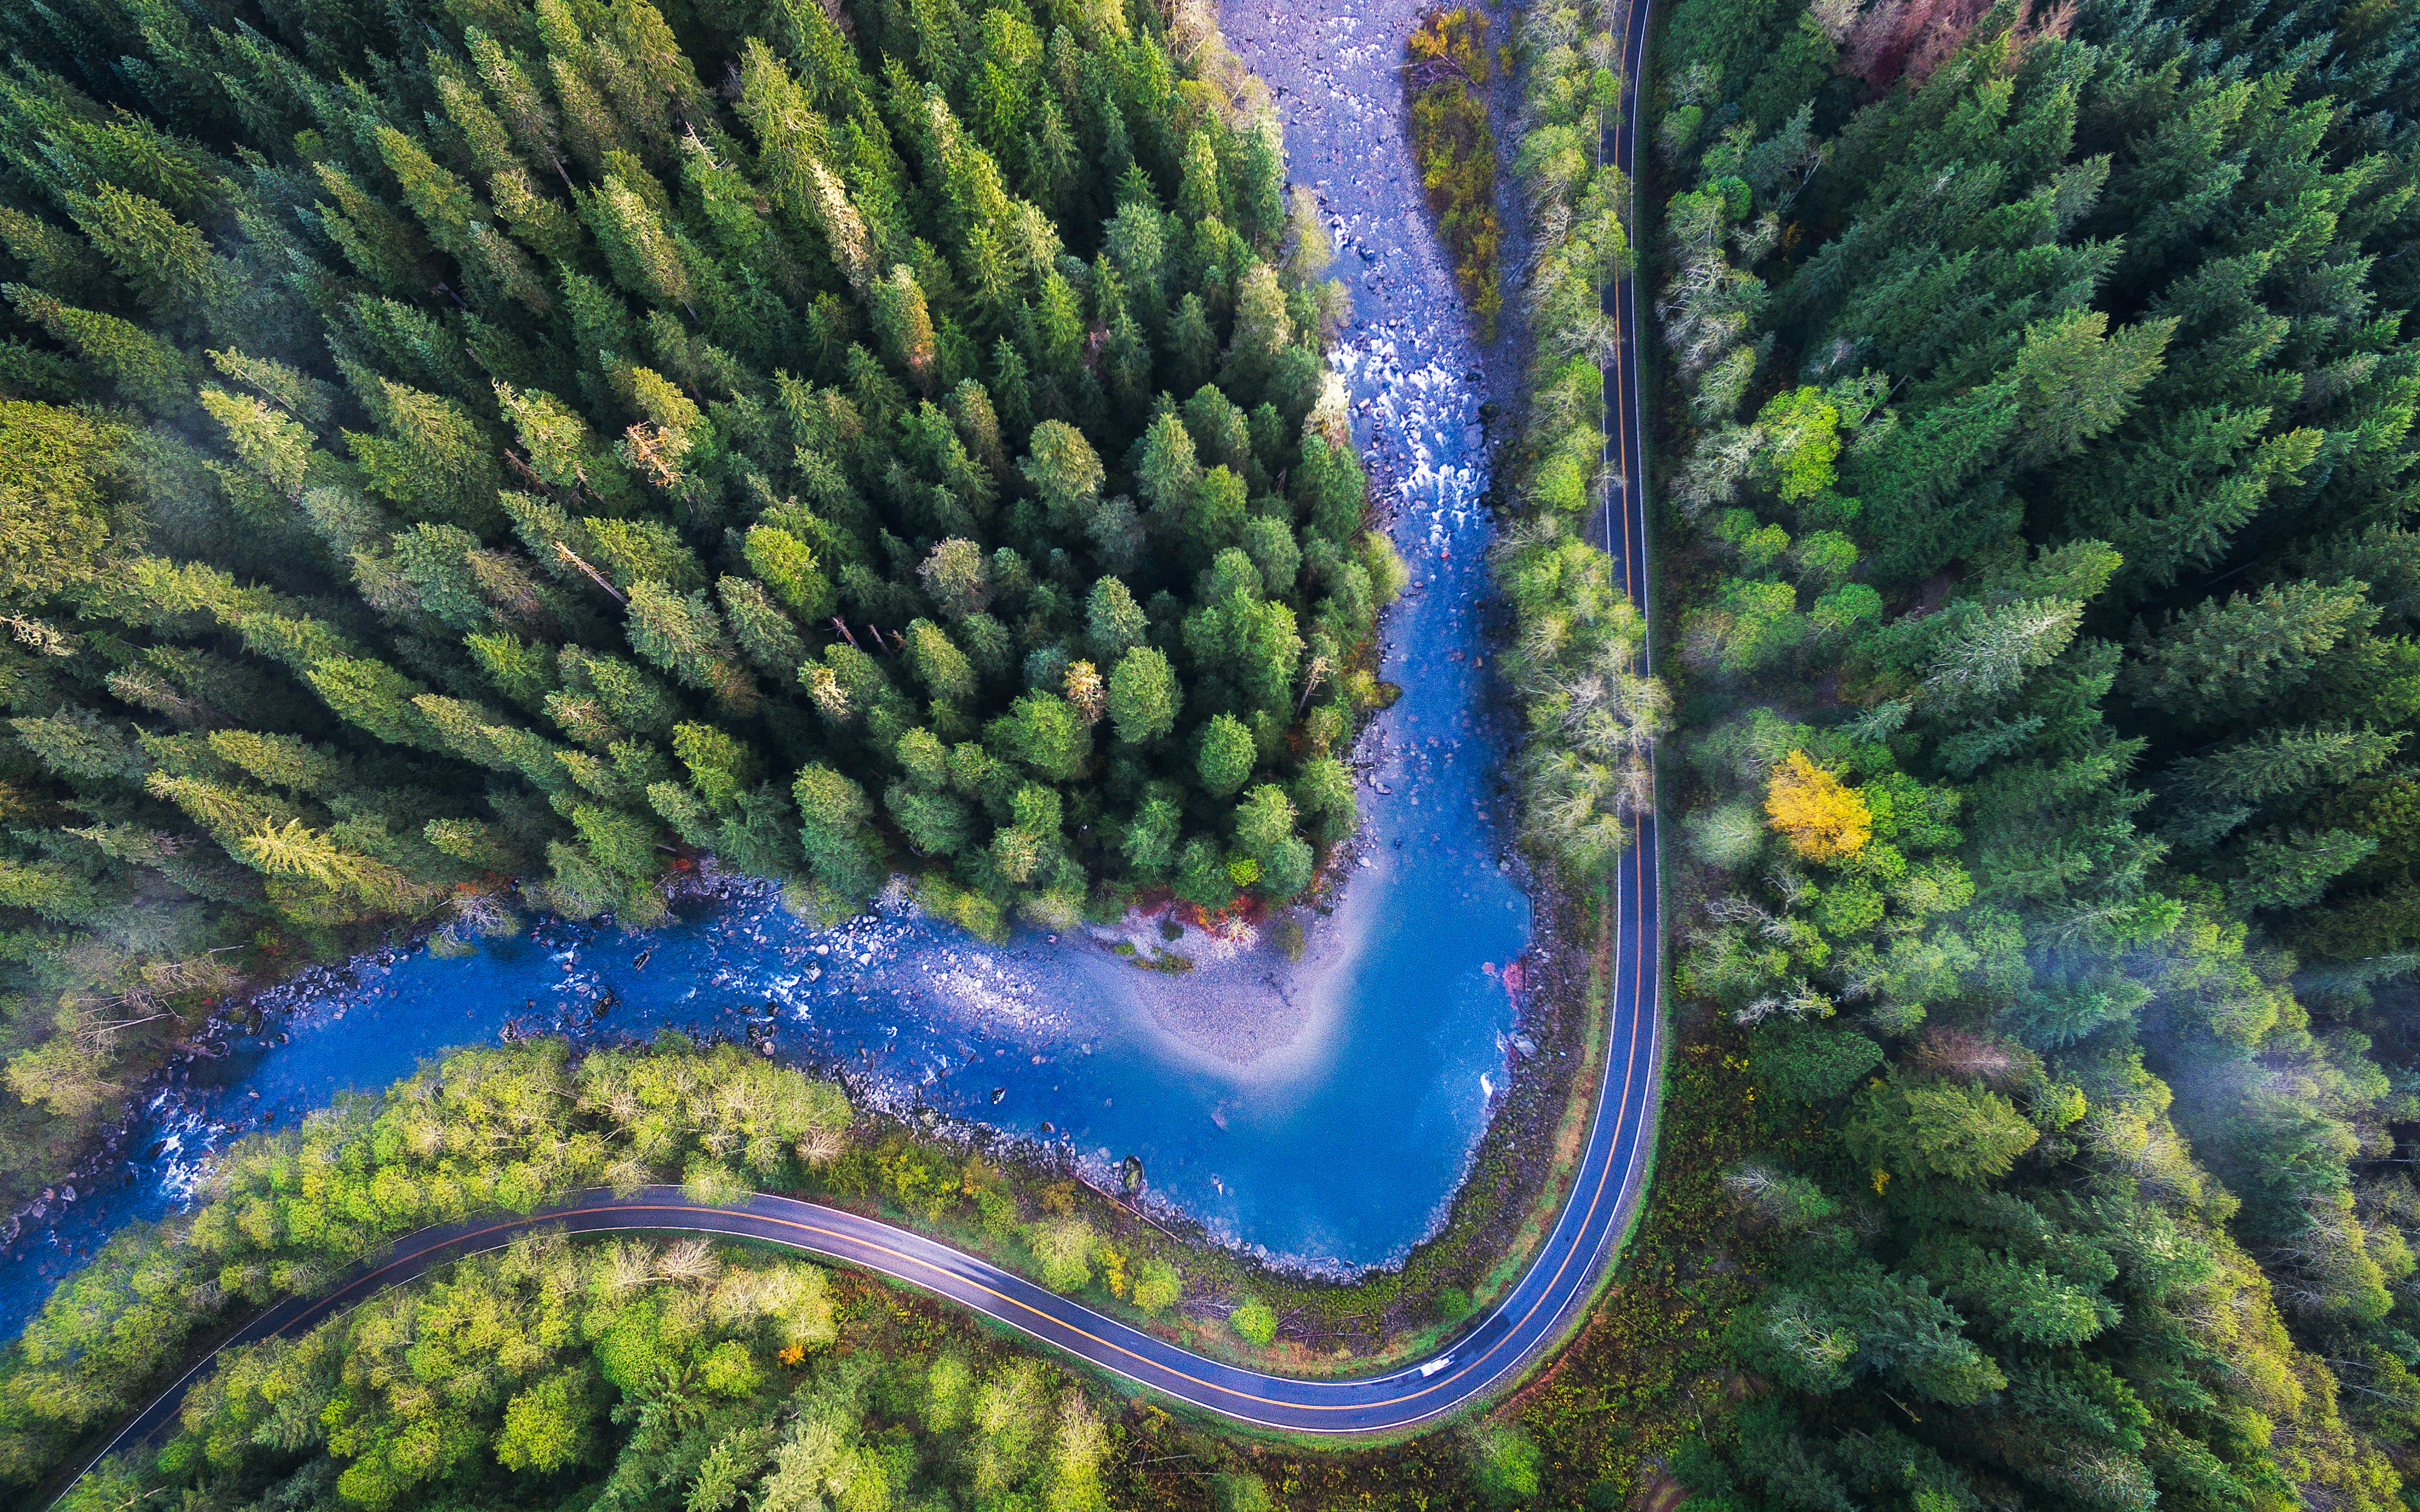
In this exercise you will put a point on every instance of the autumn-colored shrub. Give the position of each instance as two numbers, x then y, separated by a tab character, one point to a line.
1446	74
1822	818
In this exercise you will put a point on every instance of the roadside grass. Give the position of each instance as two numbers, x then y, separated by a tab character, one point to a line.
1648	1363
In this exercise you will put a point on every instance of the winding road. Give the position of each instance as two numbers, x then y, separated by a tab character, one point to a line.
1565	1274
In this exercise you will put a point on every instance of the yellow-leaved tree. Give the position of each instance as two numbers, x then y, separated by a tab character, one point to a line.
1824	819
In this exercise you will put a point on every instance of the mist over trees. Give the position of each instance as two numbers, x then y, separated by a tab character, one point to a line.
2046	386
455	442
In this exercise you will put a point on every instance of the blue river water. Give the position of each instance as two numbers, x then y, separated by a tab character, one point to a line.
1318	1112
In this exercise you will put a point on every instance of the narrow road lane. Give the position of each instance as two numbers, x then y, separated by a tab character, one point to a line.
1559	1282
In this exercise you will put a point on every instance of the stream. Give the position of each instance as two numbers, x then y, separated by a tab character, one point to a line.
1318	1112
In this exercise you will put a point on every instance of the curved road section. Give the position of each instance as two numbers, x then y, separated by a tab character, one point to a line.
1559	1284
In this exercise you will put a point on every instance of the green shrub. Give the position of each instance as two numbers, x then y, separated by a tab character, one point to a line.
1253	1322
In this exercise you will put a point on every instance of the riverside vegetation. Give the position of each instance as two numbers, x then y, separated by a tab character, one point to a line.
652	1375
461	443
1575	663
1446	75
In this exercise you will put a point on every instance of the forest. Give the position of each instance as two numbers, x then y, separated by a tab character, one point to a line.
500	1381
2036	416
462	454
2034	462
629	1375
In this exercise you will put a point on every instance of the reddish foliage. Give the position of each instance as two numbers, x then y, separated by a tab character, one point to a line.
1968	1055
1244	908
1912	38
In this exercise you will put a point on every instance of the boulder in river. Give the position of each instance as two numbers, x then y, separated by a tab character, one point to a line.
1131	1174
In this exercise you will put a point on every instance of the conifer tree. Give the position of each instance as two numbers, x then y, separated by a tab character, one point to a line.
1143	695
2225	657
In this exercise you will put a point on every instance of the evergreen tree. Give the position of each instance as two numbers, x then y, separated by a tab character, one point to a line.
1225	756
2222	659
1143	695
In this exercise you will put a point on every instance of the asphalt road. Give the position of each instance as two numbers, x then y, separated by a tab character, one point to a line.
1559	1284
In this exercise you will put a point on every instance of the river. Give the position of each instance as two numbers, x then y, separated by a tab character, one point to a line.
1318	1112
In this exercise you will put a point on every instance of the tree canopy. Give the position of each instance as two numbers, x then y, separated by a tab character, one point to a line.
2041	466
579	439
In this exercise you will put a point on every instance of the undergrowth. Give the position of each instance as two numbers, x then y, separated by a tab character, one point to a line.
1446	75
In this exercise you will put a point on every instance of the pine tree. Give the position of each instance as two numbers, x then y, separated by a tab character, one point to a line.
2293	869
2220	790
683	635
56	498
432	455
1192	345
1957	1134
939	664
169	265
523	672
771	642
2075	382
904	326
1114	623
1045	732
1065	471
958	578
2175	501
2222	659
1143	695
525	110
1215	513
144	369
785	565
1974	659
1910	479
1059	325
1226	755
446	206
